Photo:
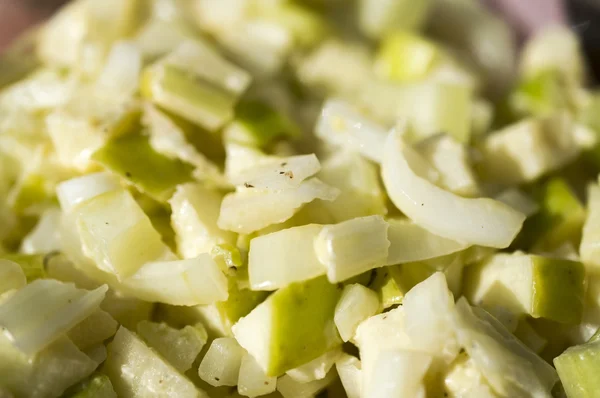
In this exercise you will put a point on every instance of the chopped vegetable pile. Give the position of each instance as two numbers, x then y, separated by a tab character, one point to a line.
287	198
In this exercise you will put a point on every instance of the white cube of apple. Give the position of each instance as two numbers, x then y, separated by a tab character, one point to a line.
542	287
252	380
353	247
277	259
221	363
349	370
398	374
316	369
291	327
117	234
356	304
290	388
195	211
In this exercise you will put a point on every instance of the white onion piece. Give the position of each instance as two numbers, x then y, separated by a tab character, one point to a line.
279	173
481	221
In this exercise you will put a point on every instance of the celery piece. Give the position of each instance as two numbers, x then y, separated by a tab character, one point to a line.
405	57
377	17
576	369
133	158
541	287
258	124
361	193
137	371
31	191
182	93
221	363
117	234
195	82
540	95
293	326
388	289
93	330
356	304
11	276
277	259
252	380
558	221
47	374
352	247
55	307
195	211
97	386
32	265
178	346
249	210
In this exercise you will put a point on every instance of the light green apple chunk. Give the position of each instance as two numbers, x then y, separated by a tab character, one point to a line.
525	284
578	367
292	327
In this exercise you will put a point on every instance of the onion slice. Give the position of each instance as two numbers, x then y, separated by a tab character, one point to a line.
481	221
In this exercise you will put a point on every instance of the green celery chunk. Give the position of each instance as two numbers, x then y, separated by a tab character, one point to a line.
188	95
578	367
258	124
541	95
132	157
33	265
559	220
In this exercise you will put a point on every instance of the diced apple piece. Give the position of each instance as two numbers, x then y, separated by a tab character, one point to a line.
398	374
98	386
577	369
292	327
316	369
11	276
463	379
349	370
290	388
137	371
429	323
252	380
508	365
47	374
221	363
277	259
353	247
195	211
178	346
249	210
361	192
117	234
356	304
93	330
541	287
